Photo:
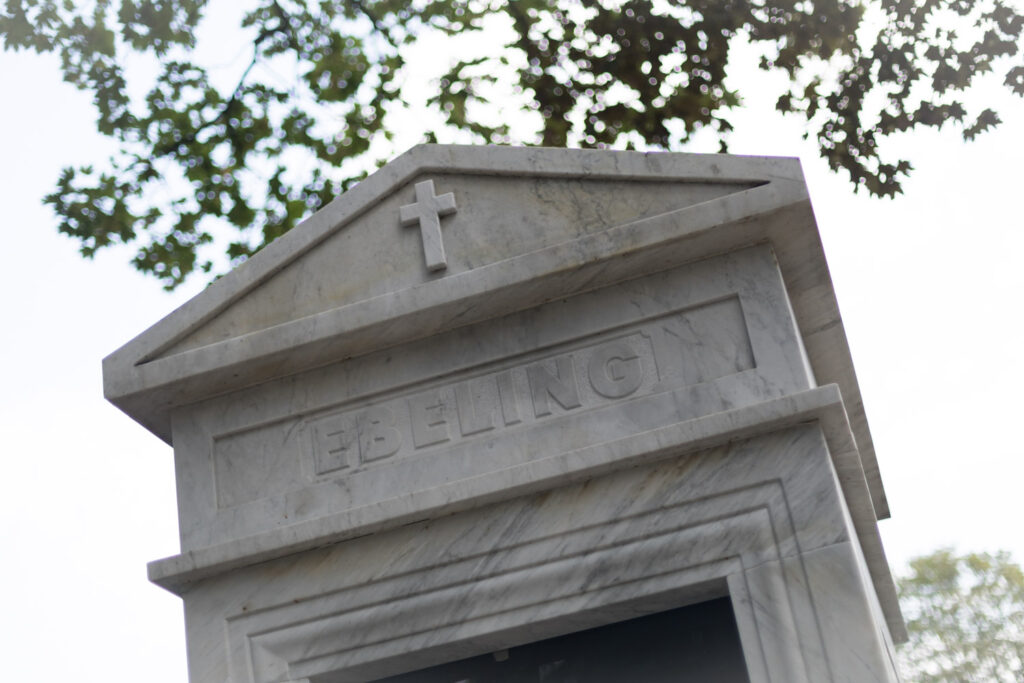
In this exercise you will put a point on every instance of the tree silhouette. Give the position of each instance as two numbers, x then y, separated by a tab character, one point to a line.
965	617
252	160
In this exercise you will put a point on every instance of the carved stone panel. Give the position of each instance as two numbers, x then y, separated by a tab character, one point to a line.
671	346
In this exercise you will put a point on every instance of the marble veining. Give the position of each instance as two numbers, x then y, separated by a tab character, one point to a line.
724	522
543	224
589	369
494	395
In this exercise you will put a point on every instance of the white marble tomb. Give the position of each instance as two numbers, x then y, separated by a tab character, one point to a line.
494	395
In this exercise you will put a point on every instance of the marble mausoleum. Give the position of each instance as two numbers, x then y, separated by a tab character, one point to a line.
527	415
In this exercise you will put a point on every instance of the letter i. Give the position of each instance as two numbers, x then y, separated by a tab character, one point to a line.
509	399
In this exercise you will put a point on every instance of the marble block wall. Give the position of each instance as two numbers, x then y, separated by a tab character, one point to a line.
494	395
761	520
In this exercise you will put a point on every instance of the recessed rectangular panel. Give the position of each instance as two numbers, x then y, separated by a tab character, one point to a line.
561	377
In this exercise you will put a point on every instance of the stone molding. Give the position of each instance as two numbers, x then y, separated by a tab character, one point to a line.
687	553
495	577
823	405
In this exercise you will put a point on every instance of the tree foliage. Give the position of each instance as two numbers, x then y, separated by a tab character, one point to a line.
258	156
965	616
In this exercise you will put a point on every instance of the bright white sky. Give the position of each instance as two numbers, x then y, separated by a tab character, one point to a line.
930	286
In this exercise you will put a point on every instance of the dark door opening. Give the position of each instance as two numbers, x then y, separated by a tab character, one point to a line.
691	644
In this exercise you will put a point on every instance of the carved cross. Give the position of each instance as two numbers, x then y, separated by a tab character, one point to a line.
427	212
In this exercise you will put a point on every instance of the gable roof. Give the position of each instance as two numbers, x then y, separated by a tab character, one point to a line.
268	318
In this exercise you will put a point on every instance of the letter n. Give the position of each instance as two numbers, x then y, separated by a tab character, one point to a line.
561	386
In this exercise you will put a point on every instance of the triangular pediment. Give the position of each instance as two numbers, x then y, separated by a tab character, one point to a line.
497	218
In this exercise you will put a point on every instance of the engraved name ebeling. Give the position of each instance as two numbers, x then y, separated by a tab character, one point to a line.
688	347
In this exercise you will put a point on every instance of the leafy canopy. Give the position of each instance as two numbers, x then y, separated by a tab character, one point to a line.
965	617
251	160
